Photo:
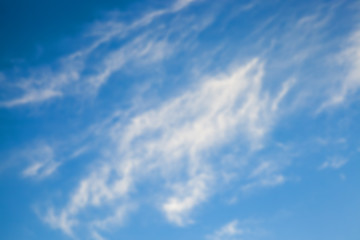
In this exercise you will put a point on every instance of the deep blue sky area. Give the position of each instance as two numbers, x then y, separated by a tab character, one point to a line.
32	30
183	119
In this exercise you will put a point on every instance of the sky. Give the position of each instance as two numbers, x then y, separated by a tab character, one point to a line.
181	119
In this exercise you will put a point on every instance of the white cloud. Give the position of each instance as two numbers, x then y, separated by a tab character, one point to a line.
266	181
239	230
96	236
187	196
180	4
32	96
60	222
42	161
117	219
66	75
349	83
265	174
231	231
284	90
141	49
334	162
44	84
172	142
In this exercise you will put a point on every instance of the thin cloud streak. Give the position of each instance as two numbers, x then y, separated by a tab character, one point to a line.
42	162
45	84
231	230
334	163
350	83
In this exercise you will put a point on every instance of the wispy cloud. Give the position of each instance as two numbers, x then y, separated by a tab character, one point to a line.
70	74
349	82
172	142
238	230
266	174
173	146
33	96
232	230
334	162
42	162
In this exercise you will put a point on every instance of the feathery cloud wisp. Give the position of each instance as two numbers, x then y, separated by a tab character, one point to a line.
172	142
70	73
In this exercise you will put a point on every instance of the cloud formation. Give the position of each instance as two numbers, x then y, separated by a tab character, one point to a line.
349	82
231	231
74	74
334	162
42	161
173	143
175	153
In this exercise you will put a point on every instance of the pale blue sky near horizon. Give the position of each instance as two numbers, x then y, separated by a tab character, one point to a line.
183	119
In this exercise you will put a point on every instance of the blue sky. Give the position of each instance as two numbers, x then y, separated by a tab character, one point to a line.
185	119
